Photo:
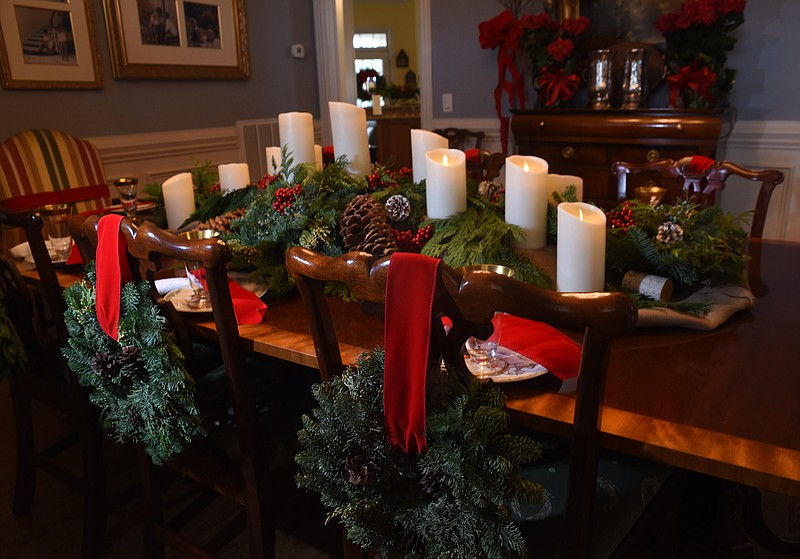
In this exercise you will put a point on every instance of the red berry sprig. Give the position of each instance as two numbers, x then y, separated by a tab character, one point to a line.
266	180
423	235
381	179
285	197
621	218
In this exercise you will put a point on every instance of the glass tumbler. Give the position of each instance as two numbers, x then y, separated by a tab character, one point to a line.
128	189
55	218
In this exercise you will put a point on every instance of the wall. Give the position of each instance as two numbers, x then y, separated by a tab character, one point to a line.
279	83
399	19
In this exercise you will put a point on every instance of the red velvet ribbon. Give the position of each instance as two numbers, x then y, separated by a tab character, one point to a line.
112	272
557	86
410	288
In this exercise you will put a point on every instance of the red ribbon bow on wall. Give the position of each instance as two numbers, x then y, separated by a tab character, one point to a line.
692	78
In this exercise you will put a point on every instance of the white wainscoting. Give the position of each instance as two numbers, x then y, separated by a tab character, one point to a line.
153	157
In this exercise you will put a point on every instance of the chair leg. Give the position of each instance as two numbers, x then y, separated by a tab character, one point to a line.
25	483
260	529
94	490
153	502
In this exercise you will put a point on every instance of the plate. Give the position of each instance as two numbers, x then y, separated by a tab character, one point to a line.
242	278
519	367
140	207
180	300
178	291
29	259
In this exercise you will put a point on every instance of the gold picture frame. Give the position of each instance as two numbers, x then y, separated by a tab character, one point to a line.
48	44
178	39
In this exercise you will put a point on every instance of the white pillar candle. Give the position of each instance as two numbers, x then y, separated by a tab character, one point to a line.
318	156
446	184
349	126
526	198
377	110
423	141
273	160
581	247
178	194
233	176
296	131
559	183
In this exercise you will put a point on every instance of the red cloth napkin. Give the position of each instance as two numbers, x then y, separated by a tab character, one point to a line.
410	288
700	164
112	273
556	351
74	256
247	307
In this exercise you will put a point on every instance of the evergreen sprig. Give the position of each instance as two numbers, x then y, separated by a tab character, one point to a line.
452	502
139	382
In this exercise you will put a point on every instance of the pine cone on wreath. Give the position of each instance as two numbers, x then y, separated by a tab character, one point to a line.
222	222
364	226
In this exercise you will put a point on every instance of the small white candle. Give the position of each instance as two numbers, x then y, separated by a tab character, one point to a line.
423	141
559	183
296	131
178	194
526	198
377	110
233	176
349	126
446	184
318	156
581	247
273	160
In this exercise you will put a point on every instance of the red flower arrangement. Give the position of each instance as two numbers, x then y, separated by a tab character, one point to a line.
698	40
554	50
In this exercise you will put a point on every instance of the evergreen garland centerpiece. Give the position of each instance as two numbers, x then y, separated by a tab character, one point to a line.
452	502
684	242
139	382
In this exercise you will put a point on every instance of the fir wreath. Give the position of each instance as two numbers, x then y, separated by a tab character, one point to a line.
452	502
139	382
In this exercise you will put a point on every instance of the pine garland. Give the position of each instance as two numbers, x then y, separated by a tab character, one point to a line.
452	502
139	383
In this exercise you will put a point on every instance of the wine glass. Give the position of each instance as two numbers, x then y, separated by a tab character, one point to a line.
55	218
128	189
199	299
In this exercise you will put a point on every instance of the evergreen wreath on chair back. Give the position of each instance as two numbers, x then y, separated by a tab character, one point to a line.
452	502
139	383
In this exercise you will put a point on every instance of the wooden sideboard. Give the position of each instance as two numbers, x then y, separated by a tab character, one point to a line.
585	142
393	138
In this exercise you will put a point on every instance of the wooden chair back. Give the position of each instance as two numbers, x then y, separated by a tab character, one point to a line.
461	138
702	186
470	302
150	250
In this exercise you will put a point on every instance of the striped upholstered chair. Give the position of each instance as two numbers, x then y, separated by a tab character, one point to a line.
40	167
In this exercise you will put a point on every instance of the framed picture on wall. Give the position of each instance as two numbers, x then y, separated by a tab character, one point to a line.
178	39
633	20
48	44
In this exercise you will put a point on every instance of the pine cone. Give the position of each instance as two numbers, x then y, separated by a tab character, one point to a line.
130	363
104	365
133	417
398	207
433	484
363	470
364	226
222	222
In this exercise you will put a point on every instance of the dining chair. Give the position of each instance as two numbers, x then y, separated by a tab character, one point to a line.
470	301
238	460
43	378
700	178
462	138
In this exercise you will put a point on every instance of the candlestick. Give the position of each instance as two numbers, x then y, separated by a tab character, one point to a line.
446	183
178	194
233	176
349	125
559	183
274	160
423	141
296	132
526	198
581	247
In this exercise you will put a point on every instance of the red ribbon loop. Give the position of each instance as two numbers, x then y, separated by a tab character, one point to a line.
112	272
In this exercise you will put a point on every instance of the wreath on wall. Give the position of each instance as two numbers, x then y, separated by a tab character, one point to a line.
454	501
139	383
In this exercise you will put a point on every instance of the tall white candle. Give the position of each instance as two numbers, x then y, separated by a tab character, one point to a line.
581	247
296	131
233	176
274	160
423	141
377	109
446	184
178	194
318	156
349	126
559	183
526	198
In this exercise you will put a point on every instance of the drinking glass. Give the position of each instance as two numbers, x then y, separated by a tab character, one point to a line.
128	189
55	218
200	298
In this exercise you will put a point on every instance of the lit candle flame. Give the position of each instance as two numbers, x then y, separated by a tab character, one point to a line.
444	160
525	167
580	213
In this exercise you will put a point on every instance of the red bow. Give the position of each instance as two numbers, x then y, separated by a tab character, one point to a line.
692	78
557	86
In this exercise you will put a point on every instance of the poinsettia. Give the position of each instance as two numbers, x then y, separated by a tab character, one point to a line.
698	40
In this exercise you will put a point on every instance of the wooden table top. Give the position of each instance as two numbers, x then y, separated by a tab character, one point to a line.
720	402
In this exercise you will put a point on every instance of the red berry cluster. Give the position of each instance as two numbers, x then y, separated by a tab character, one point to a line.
266	180
405	172
285	197
408	241
381	179
621	218
215	188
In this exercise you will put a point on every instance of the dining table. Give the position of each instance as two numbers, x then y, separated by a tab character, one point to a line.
720	402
